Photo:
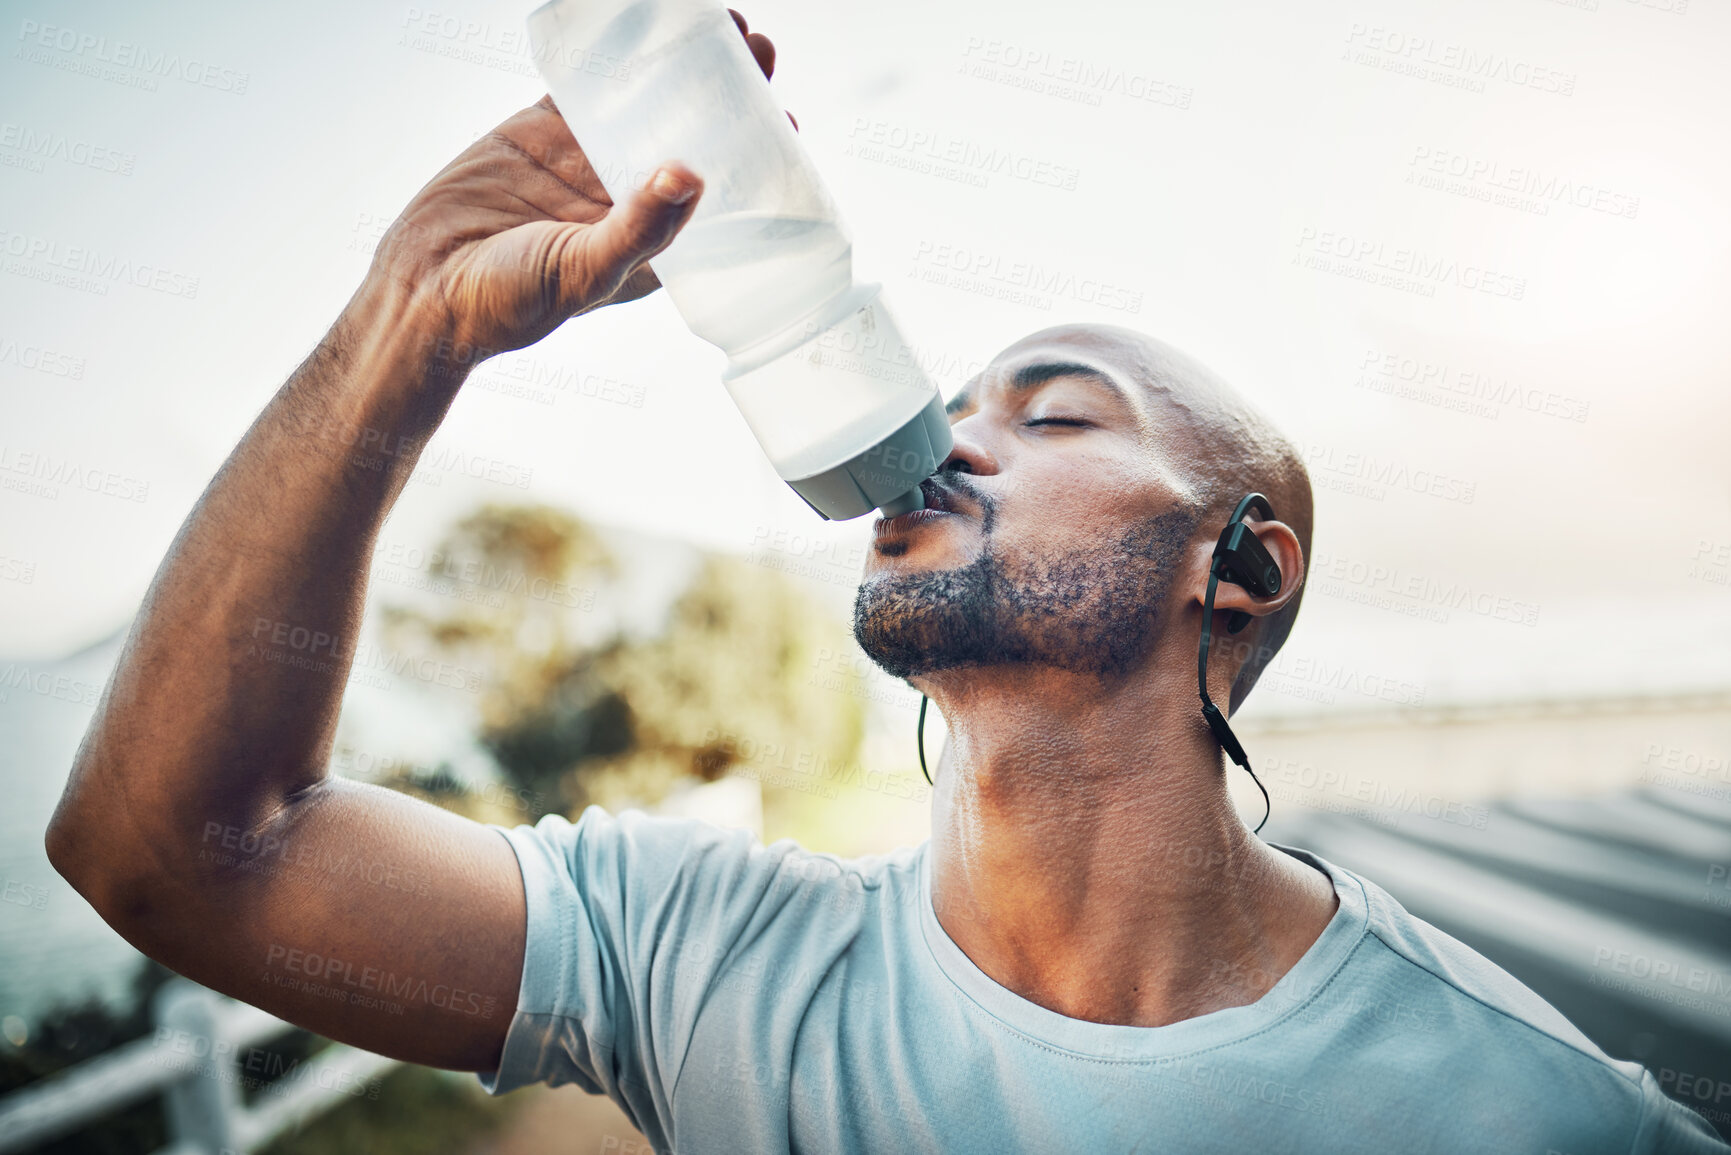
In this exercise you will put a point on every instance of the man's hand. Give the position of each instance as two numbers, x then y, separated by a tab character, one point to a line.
517	234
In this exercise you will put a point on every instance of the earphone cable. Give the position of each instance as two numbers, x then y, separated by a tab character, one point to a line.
920	739
1208	706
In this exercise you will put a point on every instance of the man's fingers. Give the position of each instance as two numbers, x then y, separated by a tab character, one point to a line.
633	232
540	135
762	50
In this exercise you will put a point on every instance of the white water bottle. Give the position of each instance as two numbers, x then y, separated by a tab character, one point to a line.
764	269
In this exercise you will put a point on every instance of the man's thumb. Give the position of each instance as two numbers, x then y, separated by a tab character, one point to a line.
646	223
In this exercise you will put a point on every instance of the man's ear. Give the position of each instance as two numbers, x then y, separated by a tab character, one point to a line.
1282	545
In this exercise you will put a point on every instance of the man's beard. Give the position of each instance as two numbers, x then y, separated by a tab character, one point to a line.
1093	611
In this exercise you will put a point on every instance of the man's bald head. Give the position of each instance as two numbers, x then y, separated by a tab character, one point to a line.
1103	457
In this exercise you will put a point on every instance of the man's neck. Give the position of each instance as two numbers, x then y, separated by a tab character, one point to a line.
1086	855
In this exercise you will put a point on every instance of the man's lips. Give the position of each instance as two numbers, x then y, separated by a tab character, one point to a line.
940	503
888	527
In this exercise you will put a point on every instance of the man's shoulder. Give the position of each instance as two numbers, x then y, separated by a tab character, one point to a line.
1467	992
1424	1009
636	850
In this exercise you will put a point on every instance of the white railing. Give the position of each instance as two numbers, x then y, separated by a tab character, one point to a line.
202	1054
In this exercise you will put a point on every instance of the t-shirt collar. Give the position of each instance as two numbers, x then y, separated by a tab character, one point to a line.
1297	988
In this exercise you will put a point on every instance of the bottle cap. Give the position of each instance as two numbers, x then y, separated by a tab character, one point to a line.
913	499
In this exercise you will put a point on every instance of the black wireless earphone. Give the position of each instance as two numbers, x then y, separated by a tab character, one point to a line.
1240	560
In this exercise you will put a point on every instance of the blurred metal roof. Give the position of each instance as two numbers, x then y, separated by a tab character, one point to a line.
1615	909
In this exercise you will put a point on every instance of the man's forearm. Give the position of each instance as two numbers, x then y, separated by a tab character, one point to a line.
225	699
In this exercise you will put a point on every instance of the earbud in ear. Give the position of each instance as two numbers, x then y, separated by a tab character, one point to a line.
1240	558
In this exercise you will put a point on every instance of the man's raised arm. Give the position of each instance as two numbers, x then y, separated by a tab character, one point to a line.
198	808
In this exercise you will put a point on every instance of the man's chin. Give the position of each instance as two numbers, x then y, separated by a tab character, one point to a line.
911	619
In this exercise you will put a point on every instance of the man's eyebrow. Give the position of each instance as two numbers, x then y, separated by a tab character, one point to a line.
1030	376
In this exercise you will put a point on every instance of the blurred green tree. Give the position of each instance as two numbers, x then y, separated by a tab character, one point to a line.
575	709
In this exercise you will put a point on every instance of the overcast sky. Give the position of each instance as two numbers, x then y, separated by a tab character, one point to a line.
1472	256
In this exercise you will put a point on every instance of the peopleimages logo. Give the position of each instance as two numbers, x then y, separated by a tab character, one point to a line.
1694	979
45	471
39	359
83	261
448	573
1316	679
438	459
1226	1081
1691	762
1376	578
1399	266
1490	179
87	49
1021	282
1308	780
1463	389
62	687
1370	476
920	149
1066	77
41	145
505	48
331	977
1454	65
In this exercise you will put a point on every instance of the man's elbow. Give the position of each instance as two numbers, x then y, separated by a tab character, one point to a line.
85	856
64	843
69	850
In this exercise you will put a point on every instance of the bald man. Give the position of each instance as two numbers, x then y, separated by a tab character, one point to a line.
1091	954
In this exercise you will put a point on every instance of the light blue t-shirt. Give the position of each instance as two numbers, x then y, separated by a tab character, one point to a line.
739	999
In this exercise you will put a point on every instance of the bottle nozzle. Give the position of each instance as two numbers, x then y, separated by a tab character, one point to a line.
913	499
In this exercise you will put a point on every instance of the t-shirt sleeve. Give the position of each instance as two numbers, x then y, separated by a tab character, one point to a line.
630	918
1670	1128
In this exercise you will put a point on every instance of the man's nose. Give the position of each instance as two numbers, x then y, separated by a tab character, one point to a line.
969	454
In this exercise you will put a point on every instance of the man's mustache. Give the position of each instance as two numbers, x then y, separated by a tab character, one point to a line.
943	488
